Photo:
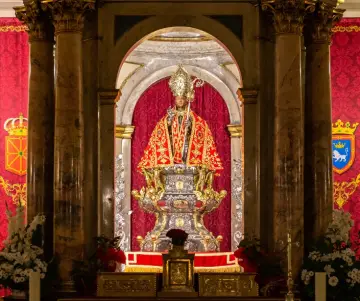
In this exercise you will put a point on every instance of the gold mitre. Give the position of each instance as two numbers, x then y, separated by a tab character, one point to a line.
181	84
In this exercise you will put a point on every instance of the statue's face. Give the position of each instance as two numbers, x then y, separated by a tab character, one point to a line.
180	101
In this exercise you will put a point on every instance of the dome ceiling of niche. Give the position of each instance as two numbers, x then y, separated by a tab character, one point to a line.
170	45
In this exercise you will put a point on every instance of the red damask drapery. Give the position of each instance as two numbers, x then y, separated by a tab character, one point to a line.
14	73
345	77
208	104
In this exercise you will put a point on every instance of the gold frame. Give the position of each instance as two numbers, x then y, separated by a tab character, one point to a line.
126	285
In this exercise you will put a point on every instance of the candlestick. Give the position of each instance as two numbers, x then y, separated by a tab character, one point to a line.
320	286
34	286
290	282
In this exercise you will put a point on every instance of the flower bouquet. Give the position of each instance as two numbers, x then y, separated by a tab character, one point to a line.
254	259
333	254
108	257
20	255
178	237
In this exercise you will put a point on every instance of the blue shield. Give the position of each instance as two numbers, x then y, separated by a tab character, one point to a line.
343	152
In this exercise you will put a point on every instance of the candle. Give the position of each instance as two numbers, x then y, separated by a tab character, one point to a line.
34	286
320	286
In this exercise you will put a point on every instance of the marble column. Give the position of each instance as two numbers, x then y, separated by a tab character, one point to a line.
123	185
288	177
106	207
318	122
248	99
40	153
69	205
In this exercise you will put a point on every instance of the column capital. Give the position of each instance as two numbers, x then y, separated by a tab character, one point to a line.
325	17
288	15
124	131
247	96
235	130
68	14
37	22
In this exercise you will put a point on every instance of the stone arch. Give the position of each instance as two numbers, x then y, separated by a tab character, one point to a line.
137	33
126	107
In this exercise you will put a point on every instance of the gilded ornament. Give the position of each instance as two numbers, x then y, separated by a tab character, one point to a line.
17	191
344	190
228	285
127	285
124	131
235	130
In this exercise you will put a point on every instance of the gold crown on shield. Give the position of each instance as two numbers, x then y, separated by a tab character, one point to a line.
181	83
16	126
339	145
339	128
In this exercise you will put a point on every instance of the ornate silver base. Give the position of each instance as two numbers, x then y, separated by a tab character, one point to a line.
180	206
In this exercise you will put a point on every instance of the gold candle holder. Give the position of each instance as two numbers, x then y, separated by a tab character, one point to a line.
290	282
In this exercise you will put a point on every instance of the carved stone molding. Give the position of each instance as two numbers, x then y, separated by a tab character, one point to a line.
323	20
235	130
68	15
124	131
108	97
247	96
288	15
38	23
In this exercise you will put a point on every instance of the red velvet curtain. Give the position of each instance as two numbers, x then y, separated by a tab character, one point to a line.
209	105
345	77
14	67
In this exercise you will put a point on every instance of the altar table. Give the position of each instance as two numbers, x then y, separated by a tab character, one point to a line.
151	262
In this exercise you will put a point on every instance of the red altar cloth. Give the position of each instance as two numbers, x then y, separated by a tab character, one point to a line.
203	262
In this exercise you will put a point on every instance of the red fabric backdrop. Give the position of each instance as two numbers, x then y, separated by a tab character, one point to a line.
151	106
345	76
14	66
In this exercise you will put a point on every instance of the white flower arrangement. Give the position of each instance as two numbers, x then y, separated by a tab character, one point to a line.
19	256
334	256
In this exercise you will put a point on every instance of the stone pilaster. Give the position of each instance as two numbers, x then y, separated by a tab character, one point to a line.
318	148
40	152
107	100
69	205
248	99
288	17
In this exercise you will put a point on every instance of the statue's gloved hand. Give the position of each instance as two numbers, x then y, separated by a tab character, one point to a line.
171	114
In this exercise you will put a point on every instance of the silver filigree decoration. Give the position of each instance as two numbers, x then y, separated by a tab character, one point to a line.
237	197
119	208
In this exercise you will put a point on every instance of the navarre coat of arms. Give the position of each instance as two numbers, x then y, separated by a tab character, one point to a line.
343	145
16	145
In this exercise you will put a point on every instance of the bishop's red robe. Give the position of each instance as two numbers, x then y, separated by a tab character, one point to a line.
202	150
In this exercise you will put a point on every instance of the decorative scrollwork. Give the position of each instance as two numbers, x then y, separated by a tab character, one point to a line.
119	210
344	190
237	197
16	191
